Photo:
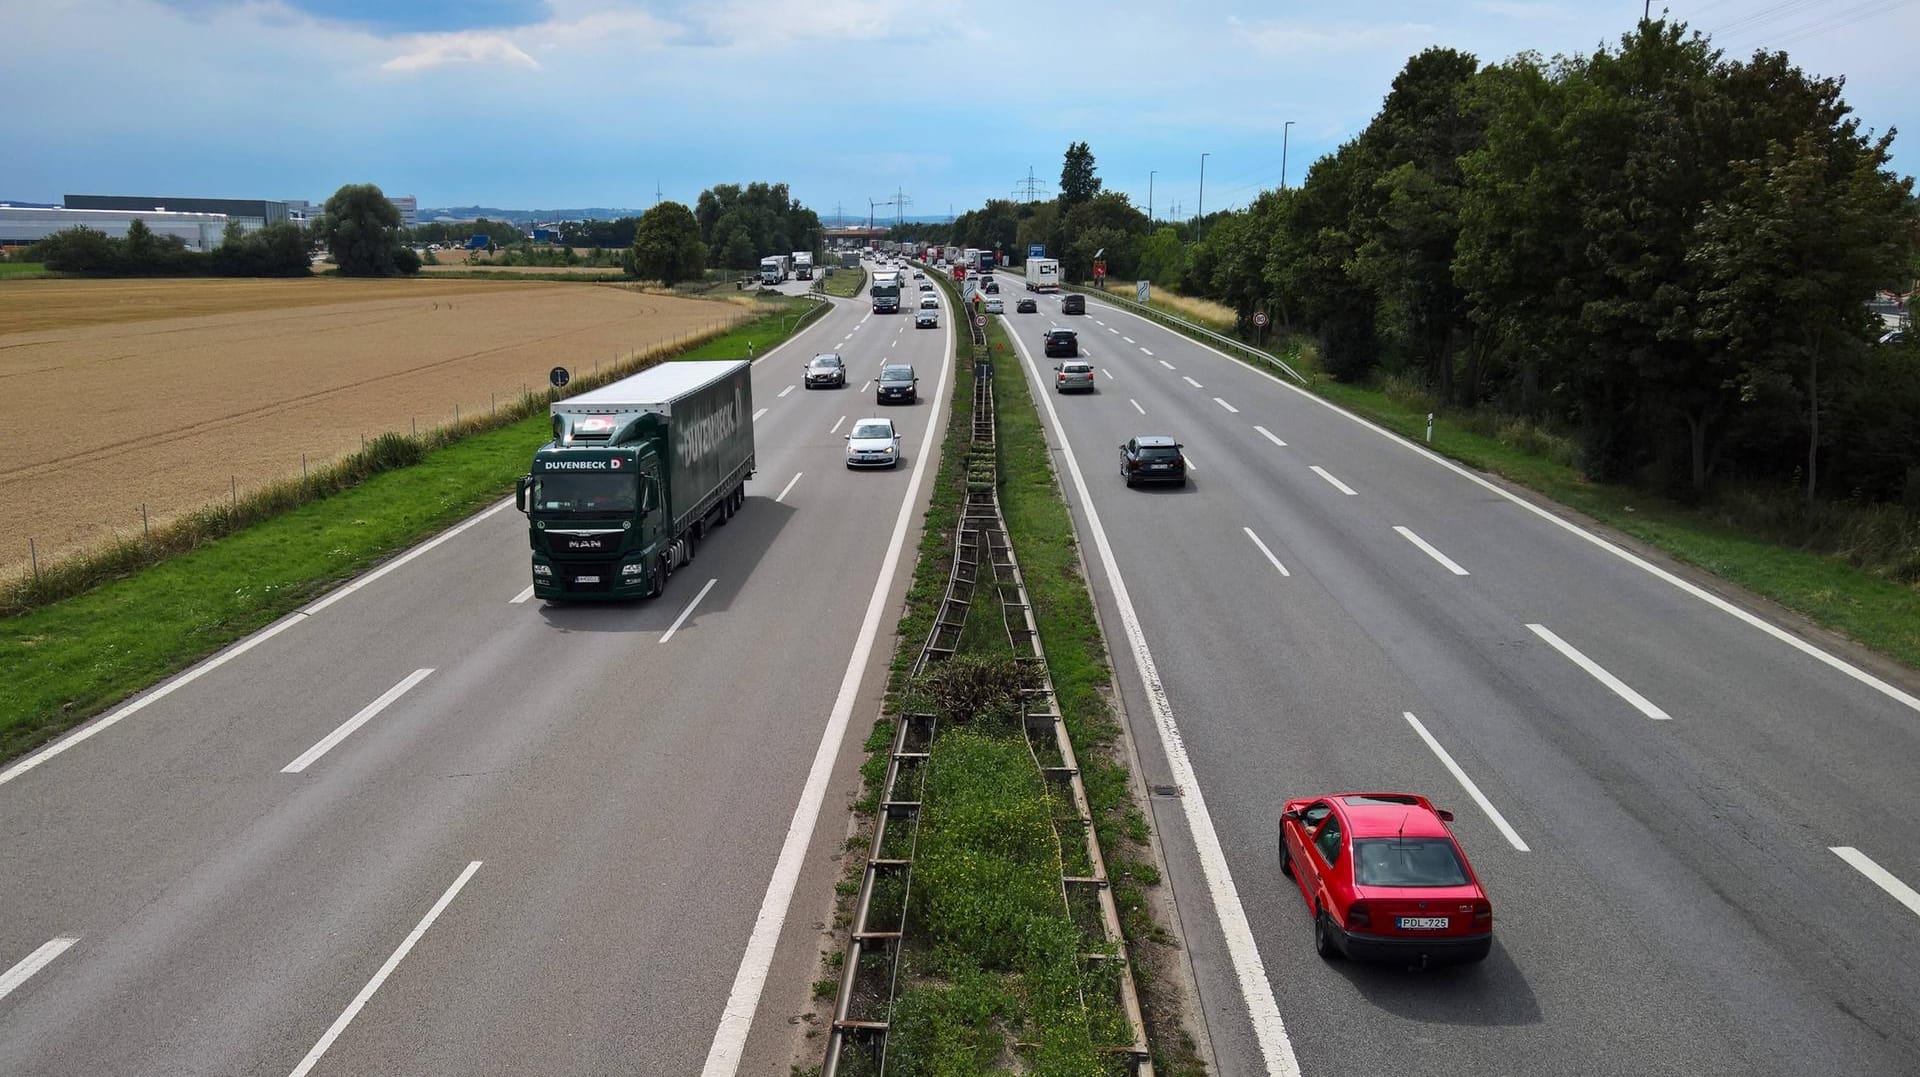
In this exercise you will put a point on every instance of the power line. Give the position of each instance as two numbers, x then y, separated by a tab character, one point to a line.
1030	187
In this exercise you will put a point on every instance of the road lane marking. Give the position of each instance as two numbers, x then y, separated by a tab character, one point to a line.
522	596
1136	405
1226	405
1264	550
1250	972
1144	351
392	565
1127	339
868	384
834	430
1860	862
1112	330
863	319
1270	436
688	612
1499	821
24	969
1337	484
360	1000
1640	702
784	490
784	392
736	1020
1189	380
758	414
1108	373
1097	321
1407	533
345	729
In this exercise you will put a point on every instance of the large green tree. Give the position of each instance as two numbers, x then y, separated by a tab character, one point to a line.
666	245
1078	183
361	229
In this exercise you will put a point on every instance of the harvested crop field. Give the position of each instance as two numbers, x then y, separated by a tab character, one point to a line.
115	394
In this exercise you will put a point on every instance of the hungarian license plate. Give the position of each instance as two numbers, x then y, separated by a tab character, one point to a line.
596	579
1423	923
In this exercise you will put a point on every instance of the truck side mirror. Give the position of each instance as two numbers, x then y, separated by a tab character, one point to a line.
521	491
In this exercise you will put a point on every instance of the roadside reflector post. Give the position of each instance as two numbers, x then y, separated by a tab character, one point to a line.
1429	428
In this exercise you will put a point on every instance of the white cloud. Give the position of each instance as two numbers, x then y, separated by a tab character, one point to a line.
1283	38
776	24
426	51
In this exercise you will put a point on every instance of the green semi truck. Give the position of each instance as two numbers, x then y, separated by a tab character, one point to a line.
636	475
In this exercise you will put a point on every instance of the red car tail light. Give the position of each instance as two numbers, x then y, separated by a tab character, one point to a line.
1482	915
1359	916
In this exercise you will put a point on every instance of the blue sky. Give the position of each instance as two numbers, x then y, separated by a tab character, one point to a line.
551	103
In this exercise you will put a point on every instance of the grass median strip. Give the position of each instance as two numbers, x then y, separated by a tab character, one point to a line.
73	658
845	283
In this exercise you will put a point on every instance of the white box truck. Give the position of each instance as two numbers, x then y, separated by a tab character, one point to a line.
1043	274
775	268
803	265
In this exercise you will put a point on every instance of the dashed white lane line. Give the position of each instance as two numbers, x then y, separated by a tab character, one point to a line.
1128	339
360	1000
1271	436
1097	321
1188	378
1110	374
863	319
1337	484
784	392
1145	352
1858	860
1264	550
1226	405
868	384
1407	533
1619	687
758	414
1486	806
40	958
836	425
688	612
1136	405
788	488
522	596
345	729
1112	330
1192	468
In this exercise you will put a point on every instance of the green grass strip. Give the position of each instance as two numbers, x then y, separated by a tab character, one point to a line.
68	661
845	283
23	269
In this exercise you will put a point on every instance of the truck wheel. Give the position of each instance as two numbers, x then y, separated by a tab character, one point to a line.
660	573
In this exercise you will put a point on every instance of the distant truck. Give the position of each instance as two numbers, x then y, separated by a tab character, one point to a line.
803	265
479	241
775	268
1043	274
849	259
636	475
885	291
951	254
986	261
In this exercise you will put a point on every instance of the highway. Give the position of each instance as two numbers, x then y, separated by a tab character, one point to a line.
427	826
1694	831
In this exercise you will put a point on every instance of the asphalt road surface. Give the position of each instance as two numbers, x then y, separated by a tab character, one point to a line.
546	843
1705	837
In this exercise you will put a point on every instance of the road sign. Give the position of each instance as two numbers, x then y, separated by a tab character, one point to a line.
1259	319
559	377
980	320
1141	289
1036	250
1100	270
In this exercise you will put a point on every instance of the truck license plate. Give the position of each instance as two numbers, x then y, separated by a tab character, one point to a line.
596	579
1423	923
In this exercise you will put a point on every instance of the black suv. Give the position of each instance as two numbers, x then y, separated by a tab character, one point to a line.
1074	304
1062	342
1153	458
1026	306
897	383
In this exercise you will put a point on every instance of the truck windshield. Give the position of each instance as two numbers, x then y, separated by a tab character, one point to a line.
586	493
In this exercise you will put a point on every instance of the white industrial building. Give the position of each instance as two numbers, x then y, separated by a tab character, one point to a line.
20	225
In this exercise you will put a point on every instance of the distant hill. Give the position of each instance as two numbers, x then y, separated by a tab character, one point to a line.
525	216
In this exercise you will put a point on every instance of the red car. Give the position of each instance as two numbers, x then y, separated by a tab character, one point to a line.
1385	879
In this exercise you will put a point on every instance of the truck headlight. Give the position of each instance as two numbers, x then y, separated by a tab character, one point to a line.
543	570
633	569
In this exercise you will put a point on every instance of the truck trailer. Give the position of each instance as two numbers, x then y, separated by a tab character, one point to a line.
1043	274
638	472
775	268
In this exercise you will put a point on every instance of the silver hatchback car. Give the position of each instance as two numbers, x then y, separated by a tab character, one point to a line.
1074	375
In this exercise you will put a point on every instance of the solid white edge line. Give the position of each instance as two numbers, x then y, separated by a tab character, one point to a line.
1189	380
360	1000
1270	436
688	612
1226	405
1407	533
788	488
42	956
1473	790
522	596
1264	550
834	429
1599	673
1841	665
736	1019
1861	863
403	559
1136	405
1276	1049
345	729
1337	484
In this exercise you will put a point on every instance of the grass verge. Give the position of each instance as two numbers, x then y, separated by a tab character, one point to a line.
23	269
845	283
70	659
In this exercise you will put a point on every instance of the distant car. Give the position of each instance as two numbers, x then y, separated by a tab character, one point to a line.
929	302
1152	458
1026	306
873	443
1385	879
993	288
1062	342
1074	376
918	275
926	286
826	369
1074	304
995	306
927	317
897	384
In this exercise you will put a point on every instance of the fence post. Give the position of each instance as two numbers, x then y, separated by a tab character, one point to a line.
146	530
456	413
33	552
233	490
414	422
303	468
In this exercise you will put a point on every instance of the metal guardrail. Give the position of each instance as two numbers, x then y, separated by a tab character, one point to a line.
1181	324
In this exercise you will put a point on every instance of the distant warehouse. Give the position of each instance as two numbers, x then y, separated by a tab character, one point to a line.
251	214
22	225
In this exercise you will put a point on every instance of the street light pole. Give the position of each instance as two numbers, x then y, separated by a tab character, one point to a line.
1150	176
1284	132
1200	204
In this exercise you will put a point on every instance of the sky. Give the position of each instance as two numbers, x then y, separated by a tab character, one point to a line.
939	104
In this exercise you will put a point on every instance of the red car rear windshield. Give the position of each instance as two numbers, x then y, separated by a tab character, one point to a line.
1407	862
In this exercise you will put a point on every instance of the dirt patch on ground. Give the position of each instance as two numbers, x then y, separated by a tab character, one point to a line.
115	394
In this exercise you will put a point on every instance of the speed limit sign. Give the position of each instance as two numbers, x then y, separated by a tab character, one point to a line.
980	320
1260	319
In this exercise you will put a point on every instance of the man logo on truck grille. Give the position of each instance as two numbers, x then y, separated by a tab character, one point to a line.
702	436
